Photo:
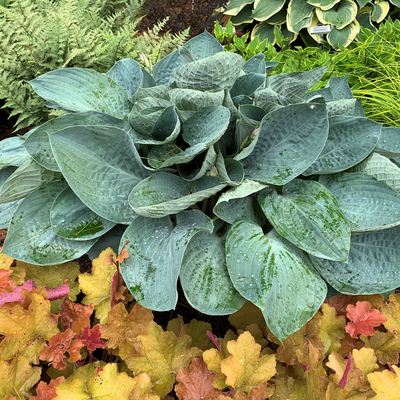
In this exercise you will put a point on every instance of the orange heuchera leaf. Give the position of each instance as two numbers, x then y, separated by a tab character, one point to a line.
18	377
122	255
6	283
123	328
75	315
363	319
386	384
47	391
26	329
195	382
91	338
244	369
59	344
162	355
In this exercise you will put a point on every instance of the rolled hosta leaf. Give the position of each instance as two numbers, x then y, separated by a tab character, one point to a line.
299	15
340	16
212	73
274	275
380	12
38	145
389	142
24	180
368	204
164	194
350	140
200	131
71	219
343	36
204	277
159	92
101	164
7	209
247	84
156	250
372	267
199	165
308	215
264	10
79	89
128	74
30	237
238	203
323	4
289	140
12	152
194	100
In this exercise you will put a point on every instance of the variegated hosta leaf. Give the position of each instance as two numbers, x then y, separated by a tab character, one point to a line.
244	16
373	265
238	203
156	250
308	215
212	73
339	16
264	31
234	6
24	180
204	276
128	74
71	219
299	15
343	36
381	168
38	145
364	17
164	194
102	166
367	203
274	275
79	89
350	140
289	140
31	226
12	152
380	12
264	10
389	142
323	4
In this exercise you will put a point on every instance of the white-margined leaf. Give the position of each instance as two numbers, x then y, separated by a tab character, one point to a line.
339	16
264	10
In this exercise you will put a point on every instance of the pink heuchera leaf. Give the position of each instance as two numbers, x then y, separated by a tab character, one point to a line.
214	339
91	338
343	381
15	295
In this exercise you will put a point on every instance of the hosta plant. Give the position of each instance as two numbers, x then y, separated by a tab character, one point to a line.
240	184
297	17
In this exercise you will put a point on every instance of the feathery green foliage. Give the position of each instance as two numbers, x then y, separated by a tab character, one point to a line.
44	35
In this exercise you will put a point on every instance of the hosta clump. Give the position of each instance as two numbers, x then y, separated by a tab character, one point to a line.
240	184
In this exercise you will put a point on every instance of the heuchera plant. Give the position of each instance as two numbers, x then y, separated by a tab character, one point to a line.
240	184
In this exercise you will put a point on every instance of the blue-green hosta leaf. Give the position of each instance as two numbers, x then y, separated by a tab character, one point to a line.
338	88
24	180
160	92
203	45
381	168
343	36
350	140
71	219
186	54
200	131
79	89
239	203
156	250
299	15
389	142
308	215
247	84
30	237
323	4
145	112
148	81
264	10
340	16
256	64
128	74
110	239
340	107
234	6
198	166
289	140
163	71
7	209
267	94
216	72
163	194
102	165
38	145
274	275
204	276
368	204
373	265
12	152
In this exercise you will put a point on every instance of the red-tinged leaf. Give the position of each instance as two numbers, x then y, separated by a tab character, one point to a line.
6	284
195	382
46	391
57	293
363	319
91	338
115	284
215	340
75	315
341	301
343	381
59	344
348	344
123	254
